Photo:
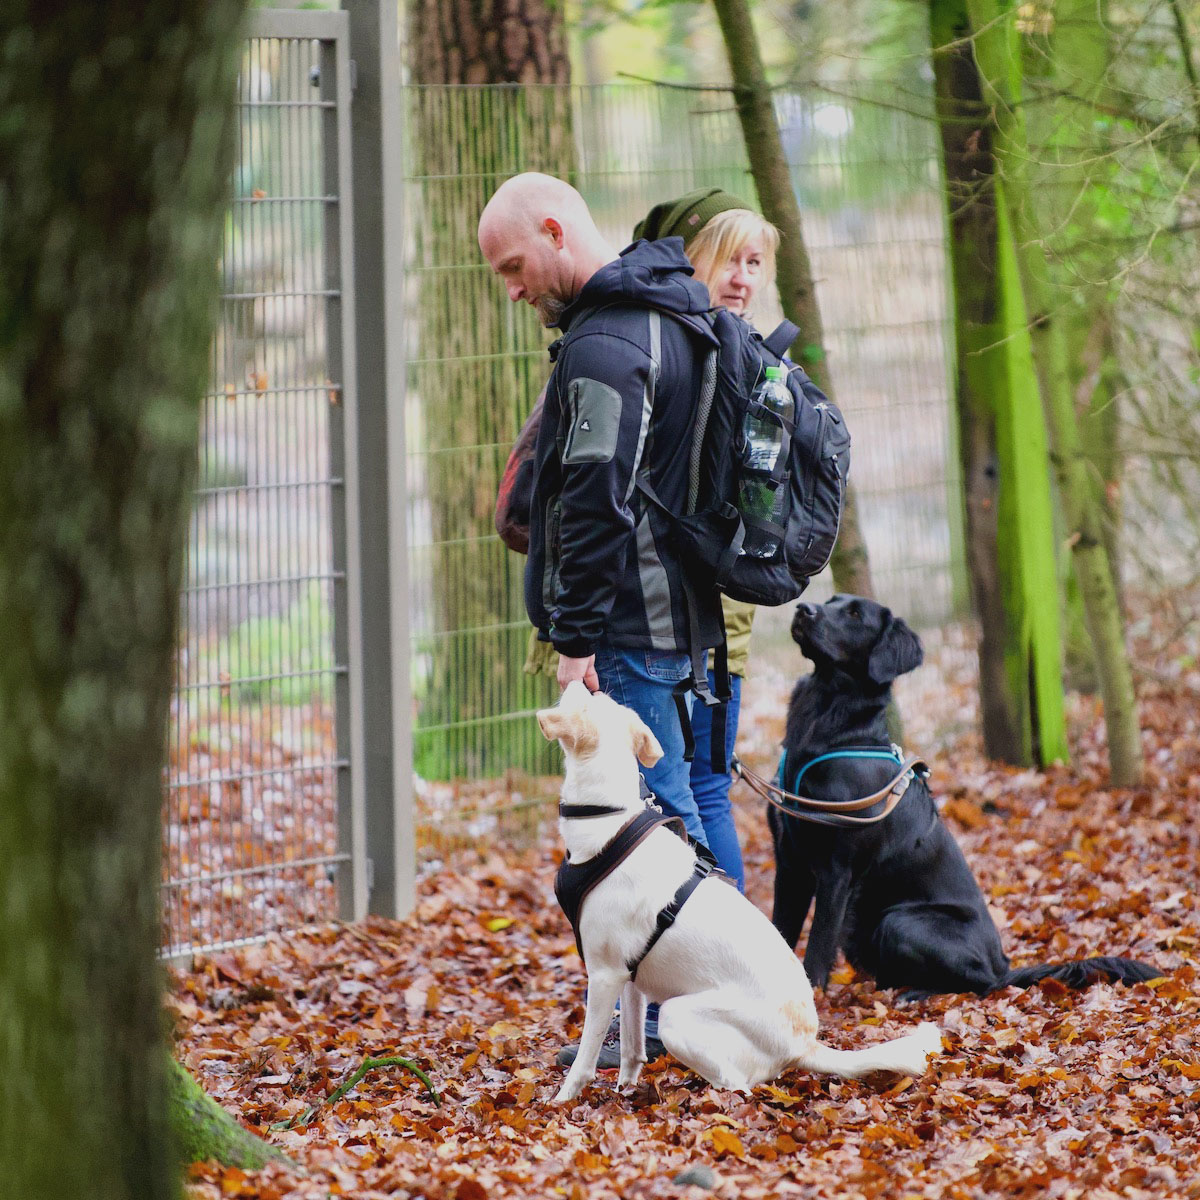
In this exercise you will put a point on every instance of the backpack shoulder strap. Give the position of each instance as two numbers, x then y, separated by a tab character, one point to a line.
780	339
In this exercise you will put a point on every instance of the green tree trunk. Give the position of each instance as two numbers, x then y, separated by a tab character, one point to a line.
797	290
116	141
480	364
204	1131
1002	445
1069	79
997	53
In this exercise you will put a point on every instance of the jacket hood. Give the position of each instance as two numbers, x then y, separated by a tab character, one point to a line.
655	273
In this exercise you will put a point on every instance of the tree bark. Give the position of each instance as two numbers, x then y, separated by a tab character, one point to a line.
1075	59
1010	536
116	148
797	290
480	363
204	1131
997	54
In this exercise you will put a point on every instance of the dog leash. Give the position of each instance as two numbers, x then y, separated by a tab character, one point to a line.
830	812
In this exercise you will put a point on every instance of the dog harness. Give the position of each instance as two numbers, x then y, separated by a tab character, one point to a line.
574	881
838	813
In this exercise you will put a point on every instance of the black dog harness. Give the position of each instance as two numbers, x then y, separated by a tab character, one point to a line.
574	881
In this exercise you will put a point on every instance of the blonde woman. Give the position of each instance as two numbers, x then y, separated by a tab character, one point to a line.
732	249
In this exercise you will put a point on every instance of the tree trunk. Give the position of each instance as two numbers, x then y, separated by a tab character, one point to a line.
1010	535
116	149
204	1131
480	363
797	291
1075	86
997	54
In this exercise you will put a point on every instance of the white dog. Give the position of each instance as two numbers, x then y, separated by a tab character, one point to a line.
736	1005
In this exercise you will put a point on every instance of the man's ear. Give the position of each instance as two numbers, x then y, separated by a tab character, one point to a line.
574	729
554	230
897	651
645	744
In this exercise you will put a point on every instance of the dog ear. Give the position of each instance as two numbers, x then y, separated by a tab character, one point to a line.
574	729
897	651
645	744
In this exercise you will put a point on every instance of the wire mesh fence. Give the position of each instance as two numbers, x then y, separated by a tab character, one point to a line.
257	780
866	172
251	823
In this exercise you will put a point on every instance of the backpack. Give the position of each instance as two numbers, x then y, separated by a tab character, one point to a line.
514	498
811	469
813	472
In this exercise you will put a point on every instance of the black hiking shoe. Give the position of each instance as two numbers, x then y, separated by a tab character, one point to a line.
610	1049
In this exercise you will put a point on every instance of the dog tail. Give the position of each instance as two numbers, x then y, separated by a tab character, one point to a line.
905	1055
1083	972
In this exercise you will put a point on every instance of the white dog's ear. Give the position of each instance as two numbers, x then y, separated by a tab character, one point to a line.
645	744
574	729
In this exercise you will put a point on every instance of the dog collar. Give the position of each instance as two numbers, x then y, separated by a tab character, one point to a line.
841	813
893	755
572	811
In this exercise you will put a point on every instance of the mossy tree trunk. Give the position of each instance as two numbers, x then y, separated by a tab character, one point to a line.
997	53
203	1130
480	361
797	289
1069	77
116	142
1002	441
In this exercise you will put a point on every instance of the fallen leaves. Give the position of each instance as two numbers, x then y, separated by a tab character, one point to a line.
1044	1092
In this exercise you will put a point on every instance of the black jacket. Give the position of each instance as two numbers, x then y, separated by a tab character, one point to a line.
602	568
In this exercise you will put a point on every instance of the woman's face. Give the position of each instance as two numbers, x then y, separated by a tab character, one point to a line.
735	283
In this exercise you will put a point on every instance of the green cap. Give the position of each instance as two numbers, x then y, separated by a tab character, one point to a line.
687	215
775	373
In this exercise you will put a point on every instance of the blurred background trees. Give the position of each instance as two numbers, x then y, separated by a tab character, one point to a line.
1066	138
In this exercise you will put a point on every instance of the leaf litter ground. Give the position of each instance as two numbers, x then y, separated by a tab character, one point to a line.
1037	1093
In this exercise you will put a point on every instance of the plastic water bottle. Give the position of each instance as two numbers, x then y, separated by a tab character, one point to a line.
764	443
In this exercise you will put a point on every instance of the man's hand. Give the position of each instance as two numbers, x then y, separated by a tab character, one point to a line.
570	669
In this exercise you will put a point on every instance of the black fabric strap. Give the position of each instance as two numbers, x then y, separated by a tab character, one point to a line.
778	531
666	917
729	555
720	716
682	691
779	340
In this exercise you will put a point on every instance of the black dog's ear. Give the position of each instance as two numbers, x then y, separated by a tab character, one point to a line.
897	651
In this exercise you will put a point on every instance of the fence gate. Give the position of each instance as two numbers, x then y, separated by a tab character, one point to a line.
264	797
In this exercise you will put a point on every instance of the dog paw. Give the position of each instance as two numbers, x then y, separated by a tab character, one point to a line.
568	1091
628	1077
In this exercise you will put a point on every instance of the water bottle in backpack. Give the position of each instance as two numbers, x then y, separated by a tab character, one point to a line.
761	495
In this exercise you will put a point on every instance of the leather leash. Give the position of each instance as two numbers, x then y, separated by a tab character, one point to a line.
830	812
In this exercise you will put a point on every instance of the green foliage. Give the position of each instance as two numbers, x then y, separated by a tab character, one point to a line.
297	642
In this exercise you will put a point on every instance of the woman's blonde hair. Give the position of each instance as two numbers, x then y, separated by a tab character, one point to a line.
724	235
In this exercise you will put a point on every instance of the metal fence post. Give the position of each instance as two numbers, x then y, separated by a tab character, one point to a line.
378	184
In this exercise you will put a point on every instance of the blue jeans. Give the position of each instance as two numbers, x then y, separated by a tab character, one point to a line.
711	792
645	680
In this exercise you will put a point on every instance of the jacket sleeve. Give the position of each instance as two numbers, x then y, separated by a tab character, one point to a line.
607	395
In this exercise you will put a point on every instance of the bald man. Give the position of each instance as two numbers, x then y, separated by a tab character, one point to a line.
604	583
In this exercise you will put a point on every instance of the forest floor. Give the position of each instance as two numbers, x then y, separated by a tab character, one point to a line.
1036	1093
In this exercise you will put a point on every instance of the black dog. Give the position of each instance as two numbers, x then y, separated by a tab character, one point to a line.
896	896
